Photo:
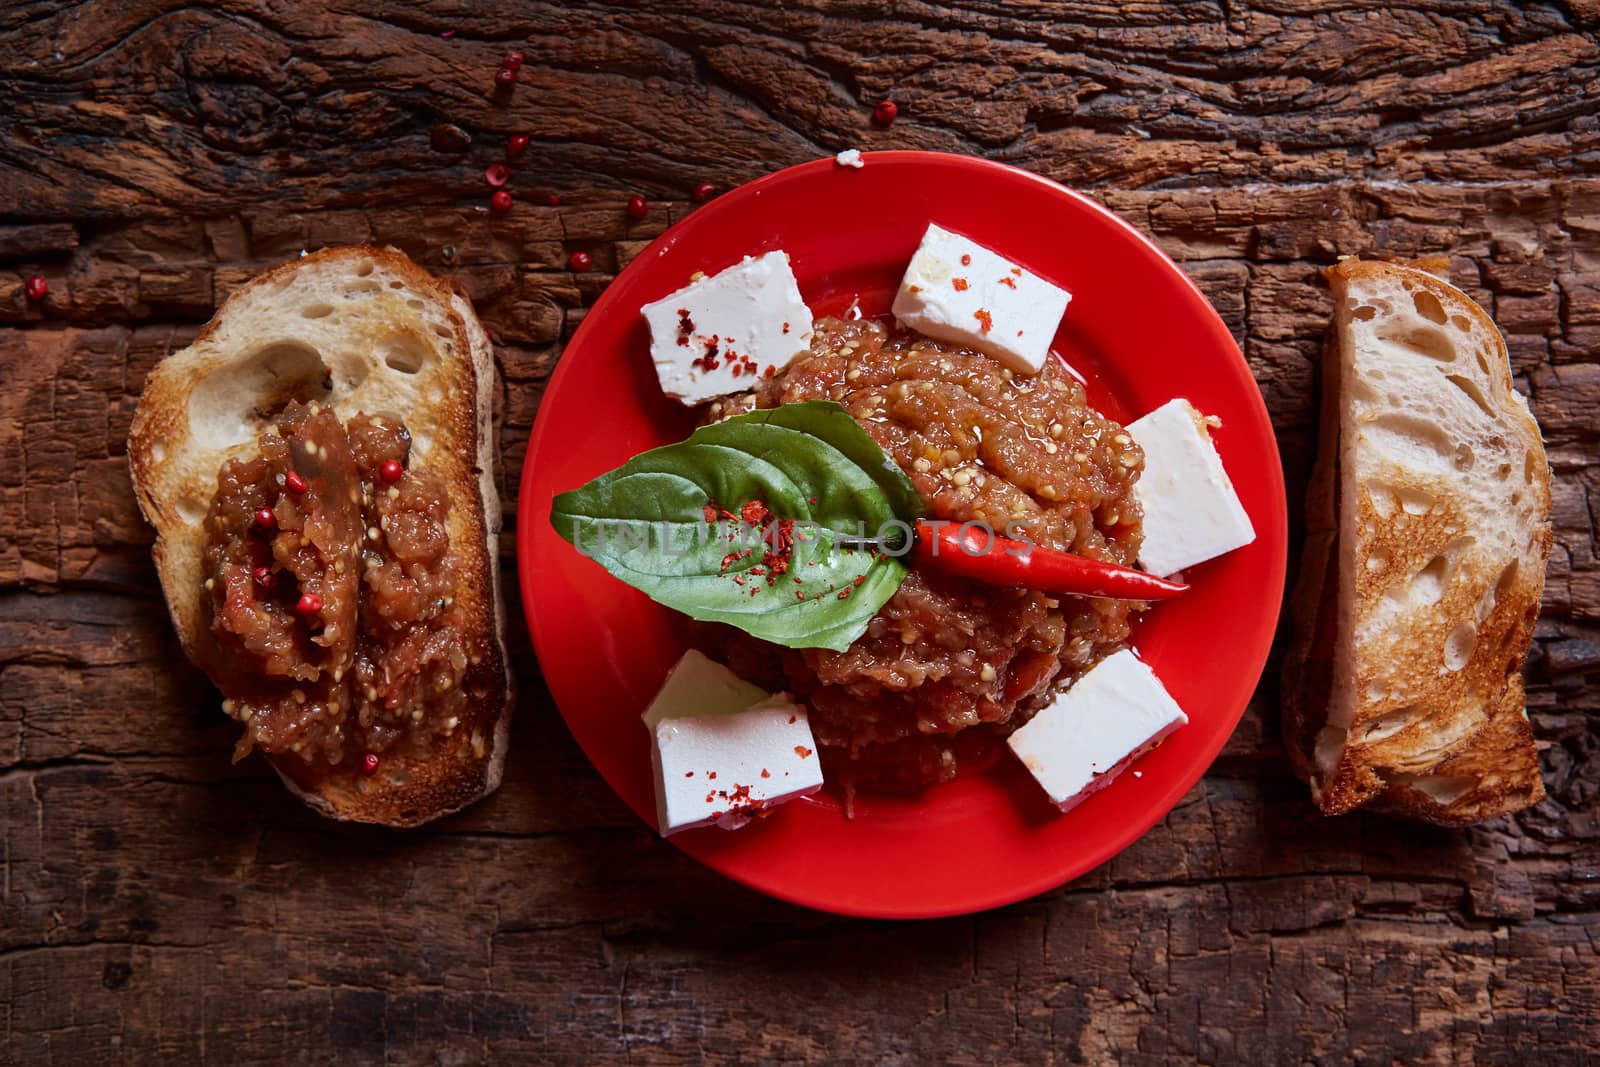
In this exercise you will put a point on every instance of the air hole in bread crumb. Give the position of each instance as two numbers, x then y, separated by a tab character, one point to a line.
1464	457
443	331
1428	307
1475	394
1414	501
316	311
1329	746
1444	789
1530	465
397	284
1389	724
1365	314
415	305
1460	322
408	355
1383	501
1508	577
362	288
1363	392
1425	341
1412	441
1486	603
1503	471
1428	586
1459	645
191	509
364	269
233	403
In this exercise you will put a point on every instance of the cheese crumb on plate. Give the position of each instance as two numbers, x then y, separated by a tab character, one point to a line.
720	758
1191	512
1079	743
957	290
723	332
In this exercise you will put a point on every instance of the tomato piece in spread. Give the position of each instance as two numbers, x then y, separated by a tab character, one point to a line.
329	589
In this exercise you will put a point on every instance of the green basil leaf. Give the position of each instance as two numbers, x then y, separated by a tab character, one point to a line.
811	463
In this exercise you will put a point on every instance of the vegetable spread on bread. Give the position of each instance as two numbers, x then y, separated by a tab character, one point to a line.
317	468
330	589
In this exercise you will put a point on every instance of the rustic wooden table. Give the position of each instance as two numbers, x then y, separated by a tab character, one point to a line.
156	901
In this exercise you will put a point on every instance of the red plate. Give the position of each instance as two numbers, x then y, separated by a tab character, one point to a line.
1140	331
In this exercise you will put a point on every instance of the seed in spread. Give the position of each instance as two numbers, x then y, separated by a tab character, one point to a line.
328	643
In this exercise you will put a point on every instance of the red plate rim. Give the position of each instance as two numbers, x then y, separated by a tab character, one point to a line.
1268	556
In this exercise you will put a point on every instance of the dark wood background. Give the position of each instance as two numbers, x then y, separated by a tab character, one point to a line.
156	901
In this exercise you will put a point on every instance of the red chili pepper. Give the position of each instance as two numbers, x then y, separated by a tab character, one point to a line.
970	551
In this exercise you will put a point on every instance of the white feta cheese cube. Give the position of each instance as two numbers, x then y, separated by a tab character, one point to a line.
700	686
723	769
1191	513
721	334
1079	743
850	157
957	290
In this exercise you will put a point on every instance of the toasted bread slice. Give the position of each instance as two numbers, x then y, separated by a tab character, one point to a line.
1427	535
355	329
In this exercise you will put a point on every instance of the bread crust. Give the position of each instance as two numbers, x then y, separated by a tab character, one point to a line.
386	336
1451	746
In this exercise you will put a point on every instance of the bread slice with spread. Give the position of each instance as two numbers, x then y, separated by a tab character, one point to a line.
1427	534
318	466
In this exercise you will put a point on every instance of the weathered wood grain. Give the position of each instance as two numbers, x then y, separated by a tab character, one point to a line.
156	901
